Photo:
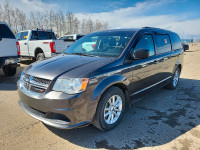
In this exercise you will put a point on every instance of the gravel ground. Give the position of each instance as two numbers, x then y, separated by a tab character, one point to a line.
162	120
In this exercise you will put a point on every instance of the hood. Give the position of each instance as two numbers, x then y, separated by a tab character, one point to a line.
71	66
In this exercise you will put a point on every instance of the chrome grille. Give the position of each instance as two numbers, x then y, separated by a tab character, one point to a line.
34	84
41	81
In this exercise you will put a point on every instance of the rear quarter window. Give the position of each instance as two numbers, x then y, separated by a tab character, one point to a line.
176	42
5	32
163	43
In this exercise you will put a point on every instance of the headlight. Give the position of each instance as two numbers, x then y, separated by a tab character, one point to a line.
71	85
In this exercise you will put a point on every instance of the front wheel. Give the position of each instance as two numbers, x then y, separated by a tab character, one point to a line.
9	71
175	79
110	109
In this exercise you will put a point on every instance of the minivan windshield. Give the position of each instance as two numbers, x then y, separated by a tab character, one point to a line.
103	44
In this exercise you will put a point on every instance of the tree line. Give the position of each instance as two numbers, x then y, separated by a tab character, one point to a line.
58	21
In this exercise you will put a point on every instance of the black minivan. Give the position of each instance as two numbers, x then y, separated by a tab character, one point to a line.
96	77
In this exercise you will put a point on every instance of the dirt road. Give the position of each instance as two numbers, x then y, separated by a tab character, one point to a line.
162	120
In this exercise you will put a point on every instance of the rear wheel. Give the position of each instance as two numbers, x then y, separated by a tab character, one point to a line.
175	79
9	71
110	109
40	56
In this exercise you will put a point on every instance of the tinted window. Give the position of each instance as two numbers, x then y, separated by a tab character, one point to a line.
79	36
69	38
42	35
105	44
45	35
22	36
176	42
5	32
146	42
163	43
34	35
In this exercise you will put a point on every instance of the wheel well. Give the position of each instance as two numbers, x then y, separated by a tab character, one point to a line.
37	51
124	88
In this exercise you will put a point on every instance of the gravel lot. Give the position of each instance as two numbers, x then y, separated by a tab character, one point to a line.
162	120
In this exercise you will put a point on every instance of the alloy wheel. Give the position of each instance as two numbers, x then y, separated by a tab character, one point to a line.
113	109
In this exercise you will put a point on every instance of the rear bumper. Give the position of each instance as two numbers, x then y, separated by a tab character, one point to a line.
5	61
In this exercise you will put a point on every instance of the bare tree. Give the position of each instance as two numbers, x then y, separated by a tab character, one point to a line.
55	20
1	13
76	23
70	22
89	26
22	20
98	25
8	13
105	26
61	22
83	26
32	20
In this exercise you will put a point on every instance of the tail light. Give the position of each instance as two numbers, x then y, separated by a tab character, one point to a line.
18	48
52	47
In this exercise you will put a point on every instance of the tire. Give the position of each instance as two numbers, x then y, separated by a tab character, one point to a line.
40	57
175	79
9	71
102	120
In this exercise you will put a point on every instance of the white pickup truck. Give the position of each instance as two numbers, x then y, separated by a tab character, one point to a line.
39	44
9	50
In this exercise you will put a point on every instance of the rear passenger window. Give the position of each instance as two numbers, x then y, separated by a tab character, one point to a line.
5	32
162	43
146	42
176	42
45	35
34	35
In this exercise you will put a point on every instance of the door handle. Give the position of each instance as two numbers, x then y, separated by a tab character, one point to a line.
25	43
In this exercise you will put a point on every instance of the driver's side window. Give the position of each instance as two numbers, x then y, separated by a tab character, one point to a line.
146	42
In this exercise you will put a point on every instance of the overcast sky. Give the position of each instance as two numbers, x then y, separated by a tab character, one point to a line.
181	16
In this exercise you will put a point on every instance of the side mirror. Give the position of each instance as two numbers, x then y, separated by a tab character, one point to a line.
140	54
185	47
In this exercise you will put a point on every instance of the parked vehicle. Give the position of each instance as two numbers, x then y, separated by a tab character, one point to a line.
81	87
71	37
39	44
9	50
185	46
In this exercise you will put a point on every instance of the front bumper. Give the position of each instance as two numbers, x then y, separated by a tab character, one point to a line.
69	111
49	121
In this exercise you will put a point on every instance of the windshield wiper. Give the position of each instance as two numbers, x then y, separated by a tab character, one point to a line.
83	54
